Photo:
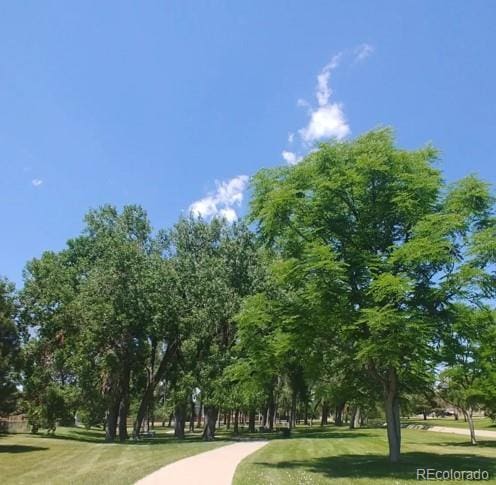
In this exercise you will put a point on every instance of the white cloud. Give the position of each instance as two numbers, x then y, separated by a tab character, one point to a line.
324	91
229	214
205	207
326	122
36	182
290	157
328	119
363	51
222	202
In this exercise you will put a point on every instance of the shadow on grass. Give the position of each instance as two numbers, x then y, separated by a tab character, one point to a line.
20	448
331	433
97	437
162	437
83	437
303	433
378	467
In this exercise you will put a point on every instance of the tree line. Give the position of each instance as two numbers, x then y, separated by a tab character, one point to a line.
359	278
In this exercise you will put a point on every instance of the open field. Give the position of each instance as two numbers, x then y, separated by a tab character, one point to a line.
312	456
77	456
343	457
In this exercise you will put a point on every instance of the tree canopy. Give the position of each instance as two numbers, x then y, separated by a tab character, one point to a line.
358	276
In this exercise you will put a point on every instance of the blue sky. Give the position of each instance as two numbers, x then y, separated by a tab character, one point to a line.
173	104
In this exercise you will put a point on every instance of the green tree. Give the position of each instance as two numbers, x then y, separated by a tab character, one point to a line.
9	348
470	368
385	249
233	273
89	310
47	310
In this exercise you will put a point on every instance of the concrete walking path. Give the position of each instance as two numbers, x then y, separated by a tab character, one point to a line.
479	433
215	467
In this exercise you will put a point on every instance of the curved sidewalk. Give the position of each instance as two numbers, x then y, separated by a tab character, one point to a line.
215	467
479	433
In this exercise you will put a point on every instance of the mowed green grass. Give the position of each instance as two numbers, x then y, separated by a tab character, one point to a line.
77	456
480	423
340	456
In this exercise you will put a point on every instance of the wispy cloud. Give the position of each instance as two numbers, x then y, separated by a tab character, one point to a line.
327	120
36	182
223	201
324	91
363	51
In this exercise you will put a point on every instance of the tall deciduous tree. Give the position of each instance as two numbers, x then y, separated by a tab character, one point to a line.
89	307
375	219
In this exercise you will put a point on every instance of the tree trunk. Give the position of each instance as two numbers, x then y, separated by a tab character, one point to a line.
271	415
265	413
228	423
192	416
325	413
236	421
179	419
338	415
123	410
357	419
151	372
251	421
167	359
271	410
470	421
425	415
124	403
292	414
199	420
211	413
392	408
353	415
111	426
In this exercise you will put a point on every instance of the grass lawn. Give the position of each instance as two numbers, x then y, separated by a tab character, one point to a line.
342	456
480	423
77	456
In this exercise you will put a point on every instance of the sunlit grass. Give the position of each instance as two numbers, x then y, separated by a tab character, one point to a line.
78	456
344	457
